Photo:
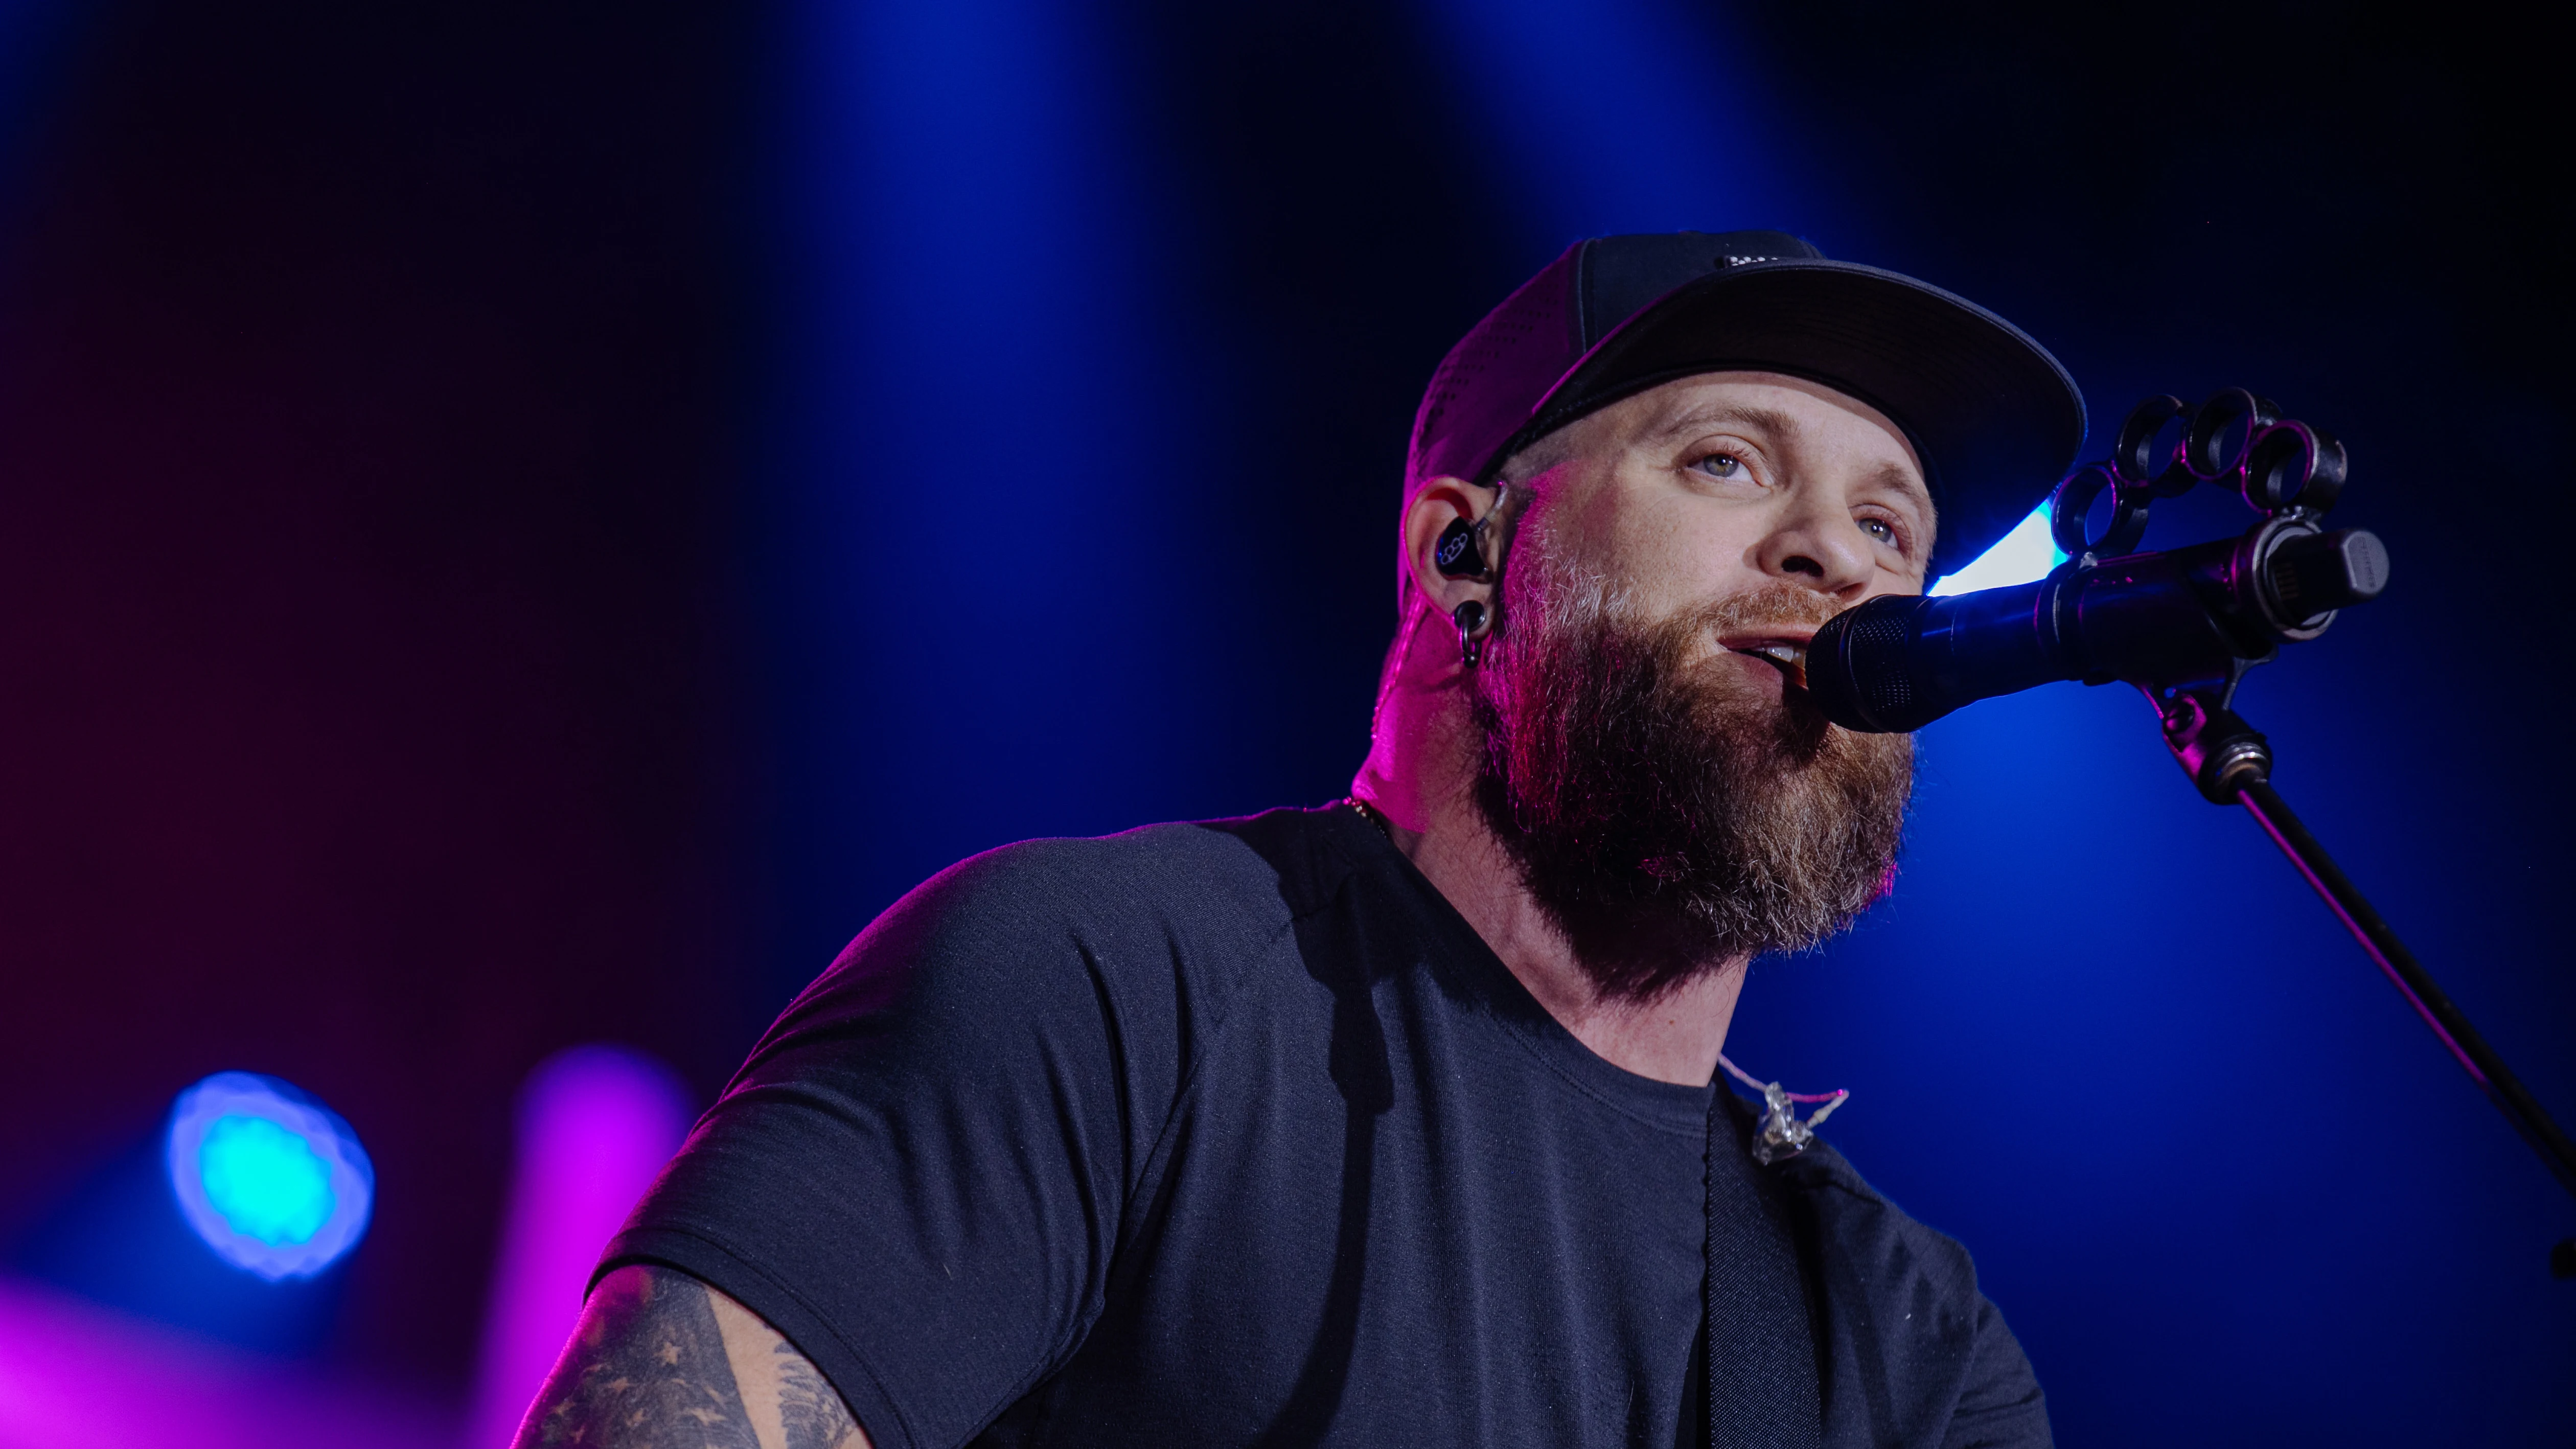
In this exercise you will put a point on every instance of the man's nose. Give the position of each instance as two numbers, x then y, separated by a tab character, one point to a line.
1819	546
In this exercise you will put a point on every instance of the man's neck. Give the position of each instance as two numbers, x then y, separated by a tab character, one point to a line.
1420	772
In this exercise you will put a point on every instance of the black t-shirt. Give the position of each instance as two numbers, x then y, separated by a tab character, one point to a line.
1236	1133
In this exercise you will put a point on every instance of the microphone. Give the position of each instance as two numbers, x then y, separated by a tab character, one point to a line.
2165	621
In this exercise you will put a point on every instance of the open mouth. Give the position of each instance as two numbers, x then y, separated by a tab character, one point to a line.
1791	658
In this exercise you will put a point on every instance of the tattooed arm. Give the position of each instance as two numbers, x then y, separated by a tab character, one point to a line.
662	1361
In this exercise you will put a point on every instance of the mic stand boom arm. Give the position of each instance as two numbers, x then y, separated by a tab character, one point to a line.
2231	763
2184	626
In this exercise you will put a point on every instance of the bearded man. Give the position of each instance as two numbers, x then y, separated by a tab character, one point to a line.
1398	1121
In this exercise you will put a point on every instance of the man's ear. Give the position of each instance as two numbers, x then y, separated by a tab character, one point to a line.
1435	515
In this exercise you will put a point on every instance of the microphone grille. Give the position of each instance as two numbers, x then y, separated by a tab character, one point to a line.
1856	666
1878	639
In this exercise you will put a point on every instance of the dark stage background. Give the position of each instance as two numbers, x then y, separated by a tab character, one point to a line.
523	526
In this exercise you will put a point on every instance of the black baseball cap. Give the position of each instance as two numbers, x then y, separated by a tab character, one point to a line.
1994	418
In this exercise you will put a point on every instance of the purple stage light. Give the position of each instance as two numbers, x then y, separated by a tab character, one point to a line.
272	1180
596	1123
74	1375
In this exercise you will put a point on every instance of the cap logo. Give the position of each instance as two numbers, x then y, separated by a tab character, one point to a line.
1743	261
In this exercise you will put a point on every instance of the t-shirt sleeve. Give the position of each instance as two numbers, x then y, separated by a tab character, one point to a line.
919	1175
2000	1405
1922	1356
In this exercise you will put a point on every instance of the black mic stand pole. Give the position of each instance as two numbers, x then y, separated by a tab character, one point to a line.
2231	763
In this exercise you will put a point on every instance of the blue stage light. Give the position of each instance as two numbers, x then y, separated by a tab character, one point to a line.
2026	553
272	1180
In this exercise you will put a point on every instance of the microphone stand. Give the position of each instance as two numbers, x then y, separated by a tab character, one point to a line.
2231	763
2184	625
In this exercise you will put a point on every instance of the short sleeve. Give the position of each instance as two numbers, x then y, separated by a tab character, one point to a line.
918	1176
2000	1405
1920	1356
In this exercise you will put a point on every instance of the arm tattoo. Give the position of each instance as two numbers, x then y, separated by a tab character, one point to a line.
655	1377
810	1410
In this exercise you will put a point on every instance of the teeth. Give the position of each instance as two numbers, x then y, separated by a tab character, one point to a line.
1791	659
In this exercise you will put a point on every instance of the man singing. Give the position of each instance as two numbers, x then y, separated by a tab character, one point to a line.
1397	1121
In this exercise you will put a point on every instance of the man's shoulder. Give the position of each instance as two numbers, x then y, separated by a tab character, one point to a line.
1153	931
1206	890
1908	1319
1276	865
1910	1286
1884	1240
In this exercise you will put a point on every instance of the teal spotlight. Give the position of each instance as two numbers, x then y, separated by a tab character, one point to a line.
272	1180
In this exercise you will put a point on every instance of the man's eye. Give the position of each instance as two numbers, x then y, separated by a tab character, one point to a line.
1721	465
1880	529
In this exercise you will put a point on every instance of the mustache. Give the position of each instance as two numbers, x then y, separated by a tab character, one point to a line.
1768	606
